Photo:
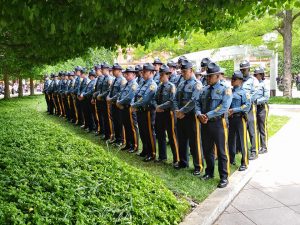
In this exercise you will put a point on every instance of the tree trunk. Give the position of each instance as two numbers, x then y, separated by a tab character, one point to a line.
287	53
20	89
6	86
31	86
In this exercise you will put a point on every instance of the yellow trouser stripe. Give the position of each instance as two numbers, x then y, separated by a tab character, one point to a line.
151	134
266	124
75	109
255	129
225	144
53	99
174	135
133	129
97	116
198	136
245	140
109	120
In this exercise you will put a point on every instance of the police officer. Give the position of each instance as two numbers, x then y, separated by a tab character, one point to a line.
82	106
86	97
211	109
237	113
187	123
55	93
115	89
49	92
144	105
250	84
198	74
129	120
71	84
45	90
179	76
61	77
165	119
139	74
157	64
78	111
63	90
204	64
263	95
172	67
95	104
104	105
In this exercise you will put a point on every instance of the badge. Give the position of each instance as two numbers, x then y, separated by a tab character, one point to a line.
173	89
218	108
152	87
134	87
218	91
248	96
198	86
228	91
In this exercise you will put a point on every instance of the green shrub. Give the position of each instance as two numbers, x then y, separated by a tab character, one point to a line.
50	176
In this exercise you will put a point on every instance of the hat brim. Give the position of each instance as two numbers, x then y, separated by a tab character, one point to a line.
216	73
245	67
168	73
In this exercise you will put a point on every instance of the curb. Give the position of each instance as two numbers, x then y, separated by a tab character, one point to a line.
211	208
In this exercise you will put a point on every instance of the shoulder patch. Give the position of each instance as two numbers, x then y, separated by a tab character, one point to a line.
109	81
248	96
152	87
173	89
134	87
198	87
228	91
123	82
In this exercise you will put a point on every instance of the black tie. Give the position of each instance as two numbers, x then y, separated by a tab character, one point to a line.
112	88
208	99
160	95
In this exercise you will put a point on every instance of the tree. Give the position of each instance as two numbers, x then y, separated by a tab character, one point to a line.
285	29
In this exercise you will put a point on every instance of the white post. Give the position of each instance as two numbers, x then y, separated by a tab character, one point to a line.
273	73
236	64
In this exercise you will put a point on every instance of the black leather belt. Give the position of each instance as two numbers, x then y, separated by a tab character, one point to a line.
216	118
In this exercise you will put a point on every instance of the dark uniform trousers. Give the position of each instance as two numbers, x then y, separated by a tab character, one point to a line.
216	132
238	132
60	103
117	122
71	108
78	104
57	107
47	102
88	113
252	129
51	103
66	106
105	110
99	117
129	121
146	119
188	131
165	121
262	117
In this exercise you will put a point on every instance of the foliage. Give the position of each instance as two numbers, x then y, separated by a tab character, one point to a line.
284	100
228	65
50	176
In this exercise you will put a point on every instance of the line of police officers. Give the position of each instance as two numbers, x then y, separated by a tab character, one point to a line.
201	114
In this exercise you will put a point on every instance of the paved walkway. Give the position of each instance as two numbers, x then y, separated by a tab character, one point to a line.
24	94
272	196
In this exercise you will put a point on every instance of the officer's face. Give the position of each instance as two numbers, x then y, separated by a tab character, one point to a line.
98	72
156	66
147	74
245	71
187	73
116	72
258	76
129	76
163	77
70	77
105	71
236	82
212	79
78	73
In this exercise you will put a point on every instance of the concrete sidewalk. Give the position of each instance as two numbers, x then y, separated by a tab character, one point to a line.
272	196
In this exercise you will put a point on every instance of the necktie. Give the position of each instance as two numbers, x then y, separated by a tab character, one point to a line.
160	95
112	88
208	99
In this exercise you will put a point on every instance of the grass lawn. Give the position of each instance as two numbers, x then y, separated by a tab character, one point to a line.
284	100
53	172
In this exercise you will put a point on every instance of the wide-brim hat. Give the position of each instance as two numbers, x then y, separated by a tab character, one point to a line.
237	75
244	64
186	64
148	66
213	68
164	69
130	69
